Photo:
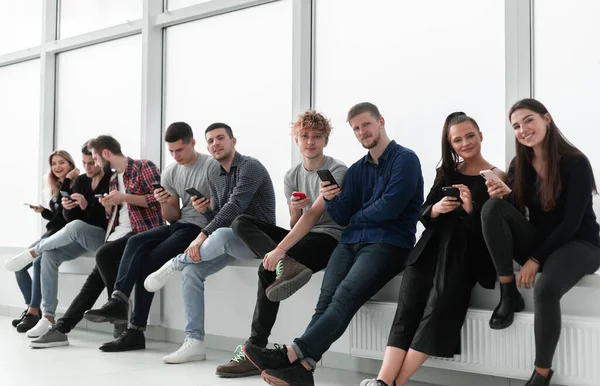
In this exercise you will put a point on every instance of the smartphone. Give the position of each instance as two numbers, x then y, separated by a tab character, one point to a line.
451	191
65	195
299	195
31	205
194	192
491	176
99	195
157	186
325	175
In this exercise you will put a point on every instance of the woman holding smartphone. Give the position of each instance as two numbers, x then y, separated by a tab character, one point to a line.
61	166
554	181
451	256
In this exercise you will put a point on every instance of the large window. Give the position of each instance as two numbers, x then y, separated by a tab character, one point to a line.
20	110
176	4
567	71
417	66
214	73
99	92
81	16
20	25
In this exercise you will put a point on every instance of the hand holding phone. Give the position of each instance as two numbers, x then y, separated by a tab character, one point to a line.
194	192
496	187
66	195
450	191
299	195
326	176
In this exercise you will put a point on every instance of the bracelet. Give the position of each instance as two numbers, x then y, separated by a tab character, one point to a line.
278	246
534	259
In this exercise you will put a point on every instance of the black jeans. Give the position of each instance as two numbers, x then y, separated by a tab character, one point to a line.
313	251
108	257
145	253
509	236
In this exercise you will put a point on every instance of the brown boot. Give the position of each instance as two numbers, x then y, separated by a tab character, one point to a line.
239	366
291	276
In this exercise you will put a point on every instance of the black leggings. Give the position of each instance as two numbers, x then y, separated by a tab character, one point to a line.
509	236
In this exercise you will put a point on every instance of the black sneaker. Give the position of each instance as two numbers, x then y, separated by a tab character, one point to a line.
127	341
296	375
28	322
267	358
112	311
15	322
118	329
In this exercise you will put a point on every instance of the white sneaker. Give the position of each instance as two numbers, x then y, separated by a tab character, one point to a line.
40	328
20	261
191	350
158	279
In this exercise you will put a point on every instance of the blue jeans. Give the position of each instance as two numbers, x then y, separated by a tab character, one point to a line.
220	249
31	288
353	275
69	243
145	253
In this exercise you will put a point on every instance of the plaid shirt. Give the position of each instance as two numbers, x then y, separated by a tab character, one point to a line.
138	179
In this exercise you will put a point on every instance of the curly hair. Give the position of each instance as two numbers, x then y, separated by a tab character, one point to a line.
311	120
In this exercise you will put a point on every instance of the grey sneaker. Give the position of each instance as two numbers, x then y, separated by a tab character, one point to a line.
51	338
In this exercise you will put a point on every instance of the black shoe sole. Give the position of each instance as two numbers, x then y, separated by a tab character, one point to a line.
238	375
285	289
103	319
507	323
141	346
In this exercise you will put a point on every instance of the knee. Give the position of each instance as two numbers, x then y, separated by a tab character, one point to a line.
240	223
75	226
546	292
492	207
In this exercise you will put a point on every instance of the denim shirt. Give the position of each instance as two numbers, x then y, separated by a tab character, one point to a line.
380	203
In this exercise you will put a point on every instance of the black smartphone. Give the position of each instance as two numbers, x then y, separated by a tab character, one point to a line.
65	195
194	192
325	175
451	191
157	186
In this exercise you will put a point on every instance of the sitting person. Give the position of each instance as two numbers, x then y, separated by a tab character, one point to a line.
554	181
59	178
451	256
290	257
241	185
85	230
379	206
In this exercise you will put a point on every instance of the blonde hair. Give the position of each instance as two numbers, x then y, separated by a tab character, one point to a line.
52	183
311	120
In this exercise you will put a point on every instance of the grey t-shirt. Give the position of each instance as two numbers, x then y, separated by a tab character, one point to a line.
176	178
298	179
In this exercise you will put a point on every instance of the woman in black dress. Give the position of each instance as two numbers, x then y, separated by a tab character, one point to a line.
452	258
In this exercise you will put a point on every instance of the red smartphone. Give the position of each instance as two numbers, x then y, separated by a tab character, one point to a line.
299	195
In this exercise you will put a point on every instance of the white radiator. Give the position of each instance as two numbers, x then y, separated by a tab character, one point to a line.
508	353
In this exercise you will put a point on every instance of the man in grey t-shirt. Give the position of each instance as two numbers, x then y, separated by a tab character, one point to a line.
149	250
290	257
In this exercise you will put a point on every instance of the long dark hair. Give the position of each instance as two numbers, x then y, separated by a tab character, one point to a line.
556	146
450	160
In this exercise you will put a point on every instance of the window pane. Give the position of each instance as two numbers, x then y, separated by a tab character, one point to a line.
567	71
20	25
99	92
20	110
81	16
176	4
214	73
417	70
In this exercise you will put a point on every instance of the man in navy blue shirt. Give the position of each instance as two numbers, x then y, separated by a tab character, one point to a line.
379	206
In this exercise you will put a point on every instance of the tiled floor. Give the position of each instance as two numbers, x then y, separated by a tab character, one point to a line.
82	364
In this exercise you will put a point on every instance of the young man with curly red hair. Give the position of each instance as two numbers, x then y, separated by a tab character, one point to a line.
290	257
